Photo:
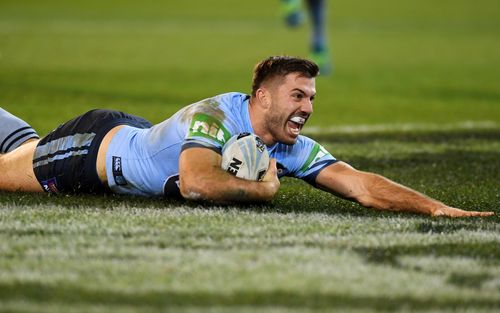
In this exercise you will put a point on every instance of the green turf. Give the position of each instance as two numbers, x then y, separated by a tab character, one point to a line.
430	67
306	252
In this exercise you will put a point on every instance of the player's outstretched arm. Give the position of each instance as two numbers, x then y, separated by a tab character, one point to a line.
374	191
202	179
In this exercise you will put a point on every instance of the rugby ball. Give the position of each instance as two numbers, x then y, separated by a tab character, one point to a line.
245	156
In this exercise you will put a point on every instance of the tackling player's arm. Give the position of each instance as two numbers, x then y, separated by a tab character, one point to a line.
375	191
202	178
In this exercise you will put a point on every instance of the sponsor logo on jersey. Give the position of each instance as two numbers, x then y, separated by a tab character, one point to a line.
206	126
117	171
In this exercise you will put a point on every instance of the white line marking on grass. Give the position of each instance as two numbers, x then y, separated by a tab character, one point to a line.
402	127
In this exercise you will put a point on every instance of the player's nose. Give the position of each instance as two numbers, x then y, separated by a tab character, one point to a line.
307	106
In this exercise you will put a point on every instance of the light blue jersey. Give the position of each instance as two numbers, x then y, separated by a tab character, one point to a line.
146	161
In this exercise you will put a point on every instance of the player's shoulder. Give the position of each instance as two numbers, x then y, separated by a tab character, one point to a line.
214	120
304	159
303	149
232	100
220	105
229	98
295	151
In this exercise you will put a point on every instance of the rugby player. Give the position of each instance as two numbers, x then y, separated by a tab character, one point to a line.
294	17
111	151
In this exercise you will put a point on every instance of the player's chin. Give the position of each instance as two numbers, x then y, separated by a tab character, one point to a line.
290	137
289	141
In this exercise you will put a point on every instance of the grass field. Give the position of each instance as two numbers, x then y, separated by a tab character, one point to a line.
415	96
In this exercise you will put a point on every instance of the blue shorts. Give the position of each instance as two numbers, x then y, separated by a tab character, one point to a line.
65	159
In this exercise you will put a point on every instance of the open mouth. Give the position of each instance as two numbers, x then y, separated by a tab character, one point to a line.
295	124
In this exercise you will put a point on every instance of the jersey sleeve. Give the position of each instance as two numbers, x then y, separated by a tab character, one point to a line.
311	159
213	121
207	131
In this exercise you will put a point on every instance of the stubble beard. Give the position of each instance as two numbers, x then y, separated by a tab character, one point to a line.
276	125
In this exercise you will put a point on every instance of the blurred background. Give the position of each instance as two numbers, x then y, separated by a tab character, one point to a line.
395	62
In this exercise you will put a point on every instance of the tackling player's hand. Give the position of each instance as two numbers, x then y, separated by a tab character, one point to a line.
454	212
271	179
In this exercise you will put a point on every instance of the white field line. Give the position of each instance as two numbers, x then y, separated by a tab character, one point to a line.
401	127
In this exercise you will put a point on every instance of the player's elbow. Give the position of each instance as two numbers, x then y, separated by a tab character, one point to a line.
364	191
366	200
191	194
372	193
192	190
196	189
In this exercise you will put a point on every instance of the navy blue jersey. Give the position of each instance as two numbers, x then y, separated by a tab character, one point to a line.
146	161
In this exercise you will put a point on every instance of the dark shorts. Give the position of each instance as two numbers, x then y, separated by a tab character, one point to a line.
65	159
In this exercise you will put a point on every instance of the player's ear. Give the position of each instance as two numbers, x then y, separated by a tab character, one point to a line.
264	97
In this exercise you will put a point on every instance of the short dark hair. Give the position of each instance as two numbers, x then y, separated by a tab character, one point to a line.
281	66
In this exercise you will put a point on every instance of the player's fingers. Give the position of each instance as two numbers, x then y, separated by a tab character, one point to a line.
272	165
452	212
272	171
482	213
461	213
271	178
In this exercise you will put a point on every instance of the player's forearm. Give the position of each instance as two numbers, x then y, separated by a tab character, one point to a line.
221	187
202	179
384	194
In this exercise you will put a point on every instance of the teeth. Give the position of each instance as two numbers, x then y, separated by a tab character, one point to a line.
298	120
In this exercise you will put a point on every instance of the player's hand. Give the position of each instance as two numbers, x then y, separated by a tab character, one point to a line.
454	212
271	178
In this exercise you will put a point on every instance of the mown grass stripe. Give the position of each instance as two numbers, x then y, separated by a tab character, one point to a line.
67	293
